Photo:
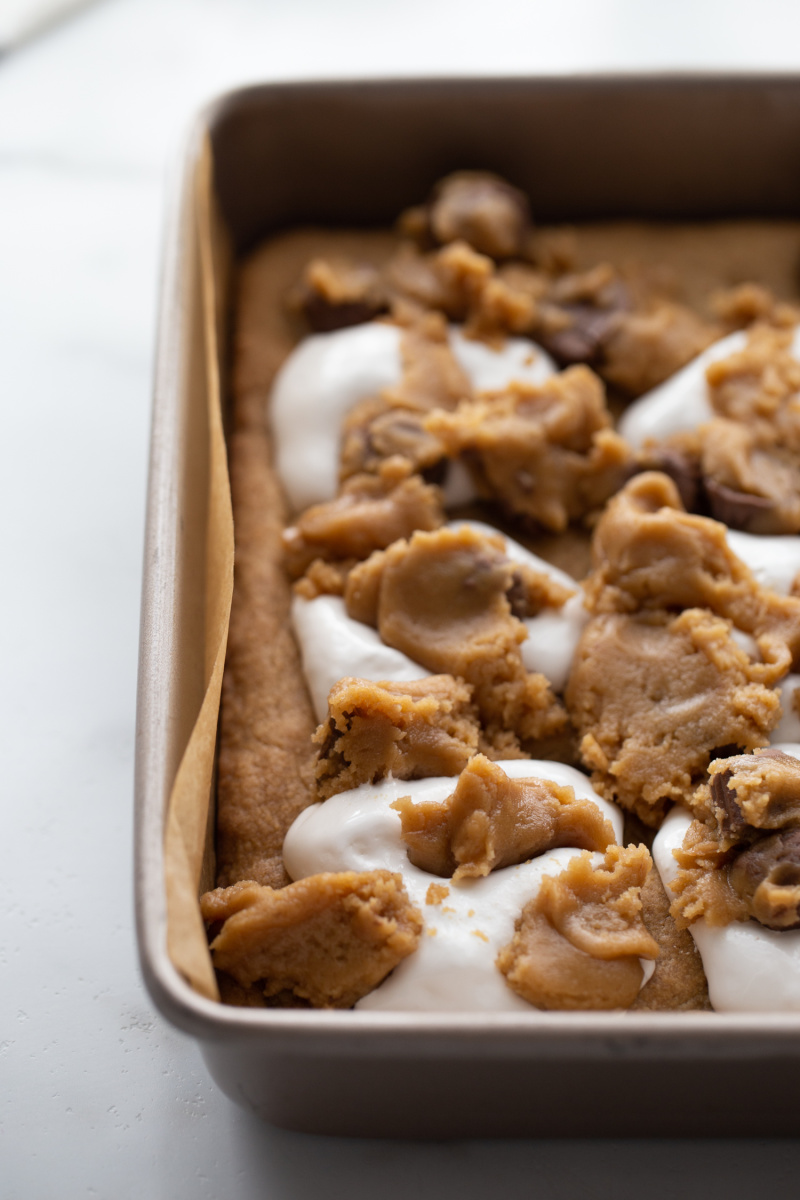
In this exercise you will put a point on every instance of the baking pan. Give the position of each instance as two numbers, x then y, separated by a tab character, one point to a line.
266	158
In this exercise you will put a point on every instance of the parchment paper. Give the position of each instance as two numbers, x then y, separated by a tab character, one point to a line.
190	811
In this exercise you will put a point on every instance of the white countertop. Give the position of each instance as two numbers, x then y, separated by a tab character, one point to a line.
99	1096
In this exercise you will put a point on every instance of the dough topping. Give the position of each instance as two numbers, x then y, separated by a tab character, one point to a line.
578	943
546	453
442	599
407	730
329	939
492	821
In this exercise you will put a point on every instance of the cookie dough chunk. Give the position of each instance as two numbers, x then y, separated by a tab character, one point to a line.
648	553
645	348
634	342
431	376
375	430
476	207
492	821
759	386
411	730
653	696
369	513
466	287
545	453
754	792
741	858
442	598
329	939
578	943
749	483
751	455
338	292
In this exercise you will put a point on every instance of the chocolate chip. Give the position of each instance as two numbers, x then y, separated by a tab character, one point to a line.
518	597
724	798
580	341
774	862
739	510
323	316
337	293
332	736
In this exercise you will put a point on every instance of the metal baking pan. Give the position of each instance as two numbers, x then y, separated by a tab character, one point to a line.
674	147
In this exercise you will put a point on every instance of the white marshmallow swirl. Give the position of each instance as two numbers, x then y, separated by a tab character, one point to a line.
453	969
327	374
333	645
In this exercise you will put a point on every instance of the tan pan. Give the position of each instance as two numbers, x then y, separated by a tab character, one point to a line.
266	158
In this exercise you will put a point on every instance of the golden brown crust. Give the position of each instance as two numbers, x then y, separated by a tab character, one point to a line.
265	774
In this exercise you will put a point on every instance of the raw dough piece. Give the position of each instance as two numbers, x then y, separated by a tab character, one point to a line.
493	821
407	730
578	943
653	696
442	599
329	939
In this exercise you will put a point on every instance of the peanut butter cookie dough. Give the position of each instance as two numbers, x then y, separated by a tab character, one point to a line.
578	944
407	730
491	821
442	599
668	601
329	939
740	858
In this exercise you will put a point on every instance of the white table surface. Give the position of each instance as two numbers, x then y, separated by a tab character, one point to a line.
99	1097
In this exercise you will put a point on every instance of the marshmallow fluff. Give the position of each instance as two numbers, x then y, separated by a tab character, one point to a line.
333	645
774	559
749	968
453	969
681	404
327	374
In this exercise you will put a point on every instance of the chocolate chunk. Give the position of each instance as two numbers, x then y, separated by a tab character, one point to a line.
324	317
519	597
581	341
725	800
767	877
739	510
336	293
580	315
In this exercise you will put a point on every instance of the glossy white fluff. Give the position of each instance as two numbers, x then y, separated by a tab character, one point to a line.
333	645
774	560
681	404
327	374
749	968
453	969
